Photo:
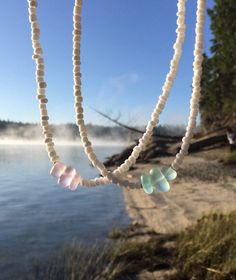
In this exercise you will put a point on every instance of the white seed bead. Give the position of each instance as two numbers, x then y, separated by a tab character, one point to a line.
44	112
32	10
117	173
137	149
40	79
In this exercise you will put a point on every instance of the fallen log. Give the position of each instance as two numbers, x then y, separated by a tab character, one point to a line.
204	143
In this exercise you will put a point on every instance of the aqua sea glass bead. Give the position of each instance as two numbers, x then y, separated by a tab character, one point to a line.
169	173
146	184
158	180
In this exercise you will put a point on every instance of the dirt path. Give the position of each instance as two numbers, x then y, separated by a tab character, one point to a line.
202	186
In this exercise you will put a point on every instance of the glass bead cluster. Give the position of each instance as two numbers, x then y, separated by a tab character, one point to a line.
66	176
158	180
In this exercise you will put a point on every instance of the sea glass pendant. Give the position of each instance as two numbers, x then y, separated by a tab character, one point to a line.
75	182
146	184
66	175
158	180
58	169
169	173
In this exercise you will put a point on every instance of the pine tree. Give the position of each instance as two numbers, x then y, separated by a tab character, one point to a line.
218	102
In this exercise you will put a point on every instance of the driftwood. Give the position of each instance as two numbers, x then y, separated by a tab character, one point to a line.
160	148
164	145
211	141
154	150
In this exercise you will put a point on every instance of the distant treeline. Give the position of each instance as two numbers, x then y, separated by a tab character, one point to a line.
69	131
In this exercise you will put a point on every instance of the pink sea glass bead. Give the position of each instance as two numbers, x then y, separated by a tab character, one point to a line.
70	171
58	169
75	182
65	180
67	176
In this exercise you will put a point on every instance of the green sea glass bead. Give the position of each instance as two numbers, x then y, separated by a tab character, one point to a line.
146	184
158	180
169	173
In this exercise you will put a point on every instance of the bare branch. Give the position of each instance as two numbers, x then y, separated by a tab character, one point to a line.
133	128
117	122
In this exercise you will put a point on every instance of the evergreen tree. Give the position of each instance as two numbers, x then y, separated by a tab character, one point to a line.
218	102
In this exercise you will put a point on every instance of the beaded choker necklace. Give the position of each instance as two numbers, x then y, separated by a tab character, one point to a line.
158	179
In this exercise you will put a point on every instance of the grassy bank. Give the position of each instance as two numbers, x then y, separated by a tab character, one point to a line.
207	250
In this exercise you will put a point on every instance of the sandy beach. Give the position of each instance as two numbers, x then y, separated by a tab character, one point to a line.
203	185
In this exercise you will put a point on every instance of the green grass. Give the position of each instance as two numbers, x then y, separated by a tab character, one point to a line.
117	233
133	230
117	260
205	251
135	256
74	262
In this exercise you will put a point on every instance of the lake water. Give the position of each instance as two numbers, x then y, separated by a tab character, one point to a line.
38	217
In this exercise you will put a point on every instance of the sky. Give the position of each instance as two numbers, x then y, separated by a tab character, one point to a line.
125	55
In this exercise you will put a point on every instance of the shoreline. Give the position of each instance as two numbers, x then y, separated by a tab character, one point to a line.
202	186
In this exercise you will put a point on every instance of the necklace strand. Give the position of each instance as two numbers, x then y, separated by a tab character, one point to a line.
166	88
78	100
196	84
113	176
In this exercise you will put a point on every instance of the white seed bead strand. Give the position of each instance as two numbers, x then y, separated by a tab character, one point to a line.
196	92
107	175
143	141
77	91
155	115
37	56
